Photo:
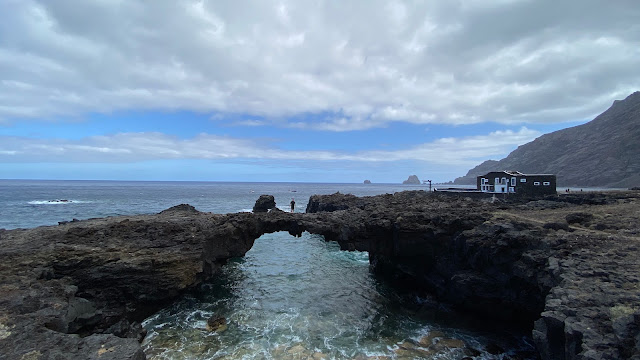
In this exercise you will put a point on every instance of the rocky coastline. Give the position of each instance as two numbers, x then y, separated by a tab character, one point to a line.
566	267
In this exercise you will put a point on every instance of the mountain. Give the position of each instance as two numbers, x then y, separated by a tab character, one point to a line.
604	152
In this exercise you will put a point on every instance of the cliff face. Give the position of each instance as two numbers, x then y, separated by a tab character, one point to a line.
604	152
566	265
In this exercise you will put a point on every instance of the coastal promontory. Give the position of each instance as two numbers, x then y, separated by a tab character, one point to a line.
564	267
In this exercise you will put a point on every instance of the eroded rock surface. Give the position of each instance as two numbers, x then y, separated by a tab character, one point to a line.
80	290
579	283
264	203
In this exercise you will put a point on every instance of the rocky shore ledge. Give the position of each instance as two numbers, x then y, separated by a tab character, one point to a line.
567	267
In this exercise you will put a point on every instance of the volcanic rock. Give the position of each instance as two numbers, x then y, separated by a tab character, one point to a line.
264	203
80	290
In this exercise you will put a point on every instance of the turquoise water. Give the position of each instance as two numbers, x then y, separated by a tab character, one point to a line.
288	298
293	298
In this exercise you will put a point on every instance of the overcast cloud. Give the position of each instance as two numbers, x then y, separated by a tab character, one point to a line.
366	63
487	75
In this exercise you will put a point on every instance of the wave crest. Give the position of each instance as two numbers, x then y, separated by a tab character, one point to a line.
57	202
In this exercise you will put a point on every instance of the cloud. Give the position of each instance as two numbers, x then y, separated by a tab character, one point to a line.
370	62
135	147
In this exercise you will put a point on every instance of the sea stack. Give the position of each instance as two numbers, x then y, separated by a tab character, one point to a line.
412	180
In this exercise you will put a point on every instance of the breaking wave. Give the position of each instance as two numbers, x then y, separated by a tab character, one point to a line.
57	202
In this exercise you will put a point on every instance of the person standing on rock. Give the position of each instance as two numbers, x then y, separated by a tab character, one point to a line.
293	204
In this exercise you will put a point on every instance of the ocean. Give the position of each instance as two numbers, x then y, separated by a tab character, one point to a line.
288	298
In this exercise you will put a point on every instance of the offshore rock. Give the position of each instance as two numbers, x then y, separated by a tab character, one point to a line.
412	180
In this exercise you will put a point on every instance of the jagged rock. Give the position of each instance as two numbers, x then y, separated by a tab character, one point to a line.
367	181
178	208
328	203
264	203
99	278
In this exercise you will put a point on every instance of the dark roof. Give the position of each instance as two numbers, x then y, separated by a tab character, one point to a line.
516	173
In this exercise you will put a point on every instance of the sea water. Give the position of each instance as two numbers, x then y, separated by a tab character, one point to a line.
288	298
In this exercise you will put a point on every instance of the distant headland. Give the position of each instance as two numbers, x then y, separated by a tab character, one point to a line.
601	153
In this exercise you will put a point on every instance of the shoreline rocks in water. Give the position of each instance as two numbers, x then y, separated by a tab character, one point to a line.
79	290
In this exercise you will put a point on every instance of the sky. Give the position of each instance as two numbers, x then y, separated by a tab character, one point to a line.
303	91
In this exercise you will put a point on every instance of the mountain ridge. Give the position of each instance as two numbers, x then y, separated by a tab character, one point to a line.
604	152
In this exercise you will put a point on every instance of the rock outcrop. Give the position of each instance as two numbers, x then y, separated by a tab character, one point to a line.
578	283
79	290
264	203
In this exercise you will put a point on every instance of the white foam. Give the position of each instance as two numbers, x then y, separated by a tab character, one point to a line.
58	202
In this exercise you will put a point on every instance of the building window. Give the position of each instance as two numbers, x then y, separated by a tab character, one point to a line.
497	181
512	189
523	180
484	181
513	181
504	181
536	183
546	183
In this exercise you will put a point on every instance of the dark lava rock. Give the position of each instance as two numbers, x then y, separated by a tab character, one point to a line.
329	203
367	181
582	218
557	226
79	290
180	208
264	203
